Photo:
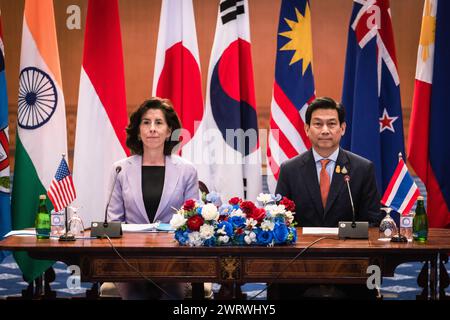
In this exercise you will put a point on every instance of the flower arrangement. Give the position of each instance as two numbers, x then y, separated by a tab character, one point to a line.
210	223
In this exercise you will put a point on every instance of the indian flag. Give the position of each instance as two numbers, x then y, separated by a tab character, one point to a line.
41	123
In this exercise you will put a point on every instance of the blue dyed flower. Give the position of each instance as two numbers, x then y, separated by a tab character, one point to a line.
292	234
228	227
280	233
264	237
211	242
277	197
237	221
225	209
239	239
214	198
279	219
181	236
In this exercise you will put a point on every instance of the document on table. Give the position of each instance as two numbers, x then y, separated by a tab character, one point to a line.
148	227
23	233
318	230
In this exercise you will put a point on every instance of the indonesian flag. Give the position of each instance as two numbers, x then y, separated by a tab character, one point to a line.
102	116
428	147
231	136
41	123
177	68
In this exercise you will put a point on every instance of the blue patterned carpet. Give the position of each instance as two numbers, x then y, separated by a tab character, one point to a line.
401	287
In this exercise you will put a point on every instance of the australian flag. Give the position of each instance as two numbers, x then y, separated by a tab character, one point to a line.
371	91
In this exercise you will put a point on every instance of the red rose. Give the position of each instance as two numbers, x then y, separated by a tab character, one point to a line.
189	205
247	207
223	217
257	214
288	204
234	201
195	222
239	231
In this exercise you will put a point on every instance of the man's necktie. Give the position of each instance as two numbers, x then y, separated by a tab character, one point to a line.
324	181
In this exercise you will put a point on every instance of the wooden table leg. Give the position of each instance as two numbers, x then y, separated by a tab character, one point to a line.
422	281
444	280
433	278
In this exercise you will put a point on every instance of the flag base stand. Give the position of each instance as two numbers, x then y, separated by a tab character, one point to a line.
399	238
67	237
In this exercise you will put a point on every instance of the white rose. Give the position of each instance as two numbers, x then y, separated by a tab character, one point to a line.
223	239
206	231
275	209
237	213
264	197
194	239
267	226
177	221
289	216
251	223
209	212
247	240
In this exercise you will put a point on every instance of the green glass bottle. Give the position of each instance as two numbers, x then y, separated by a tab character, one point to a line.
420	222
42	222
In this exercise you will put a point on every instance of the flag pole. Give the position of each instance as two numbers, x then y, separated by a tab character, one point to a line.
66	236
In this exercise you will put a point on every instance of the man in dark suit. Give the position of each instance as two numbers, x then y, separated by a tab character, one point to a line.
315	181
321	203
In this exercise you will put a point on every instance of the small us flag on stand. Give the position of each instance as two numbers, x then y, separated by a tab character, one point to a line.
61	192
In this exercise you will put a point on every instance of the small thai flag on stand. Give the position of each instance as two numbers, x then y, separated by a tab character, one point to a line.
61	192
402	191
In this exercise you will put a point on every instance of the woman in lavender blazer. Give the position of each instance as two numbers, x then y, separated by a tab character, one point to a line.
151	183
127	203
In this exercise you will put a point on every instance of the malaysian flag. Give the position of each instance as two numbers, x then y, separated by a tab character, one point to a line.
402	191
61	192
293	88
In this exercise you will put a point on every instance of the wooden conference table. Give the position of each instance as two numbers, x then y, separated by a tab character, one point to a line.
330	260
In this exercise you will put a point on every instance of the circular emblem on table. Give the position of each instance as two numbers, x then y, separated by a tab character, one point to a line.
37	98
406	222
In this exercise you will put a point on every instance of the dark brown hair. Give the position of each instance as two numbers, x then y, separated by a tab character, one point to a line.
170	115
325	103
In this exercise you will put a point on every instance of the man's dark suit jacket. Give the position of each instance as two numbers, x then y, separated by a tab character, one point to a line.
298	181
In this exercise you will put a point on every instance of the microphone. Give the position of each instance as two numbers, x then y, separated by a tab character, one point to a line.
110	229
118	169
347	180
352	229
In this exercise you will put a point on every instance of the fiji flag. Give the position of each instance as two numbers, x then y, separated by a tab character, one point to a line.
5	191
231	135
371	92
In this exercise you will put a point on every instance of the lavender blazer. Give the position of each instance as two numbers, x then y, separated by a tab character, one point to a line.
127	204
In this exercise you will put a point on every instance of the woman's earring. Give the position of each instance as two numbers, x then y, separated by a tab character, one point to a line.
139	138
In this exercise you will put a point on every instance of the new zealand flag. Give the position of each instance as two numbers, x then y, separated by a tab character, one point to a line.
371	91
